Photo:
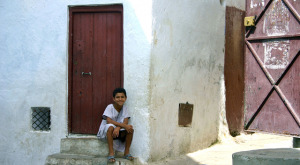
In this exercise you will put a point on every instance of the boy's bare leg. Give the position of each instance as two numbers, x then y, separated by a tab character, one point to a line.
128	143
109	136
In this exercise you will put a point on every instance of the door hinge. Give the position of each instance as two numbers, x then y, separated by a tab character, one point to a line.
249	21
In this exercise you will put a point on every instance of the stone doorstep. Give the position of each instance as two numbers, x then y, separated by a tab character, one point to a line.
85	146
76	159
85	151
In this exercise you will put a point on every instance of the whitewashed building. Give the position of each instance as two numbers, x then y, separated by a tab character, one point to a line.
172	52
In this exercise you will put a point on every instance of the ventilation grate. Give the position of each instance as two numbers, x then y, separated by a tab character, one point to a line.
41	120
185	114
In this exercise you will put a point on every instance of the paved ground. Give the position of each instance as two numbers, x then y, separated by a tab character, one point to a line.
221	153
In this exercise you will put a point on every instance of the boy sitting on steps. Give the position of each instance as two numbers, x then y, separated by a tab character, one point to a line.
114	127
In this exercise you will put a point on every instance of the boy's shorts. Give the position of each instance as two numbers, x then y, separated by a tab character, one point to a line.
122	136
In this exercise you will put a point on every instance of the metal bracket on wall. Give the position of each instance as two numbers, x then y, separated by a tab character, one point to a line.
185	114
249	21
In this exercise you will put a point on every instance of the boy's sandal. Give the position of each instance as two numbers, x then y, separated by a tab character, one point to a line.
128	157
111	159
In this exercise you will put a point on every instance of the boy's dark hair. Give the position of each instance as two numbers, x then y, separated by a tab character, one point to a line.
119	90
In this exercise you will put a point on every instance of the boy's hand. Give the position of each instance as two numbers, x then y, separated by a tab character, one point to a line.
129	128
116	132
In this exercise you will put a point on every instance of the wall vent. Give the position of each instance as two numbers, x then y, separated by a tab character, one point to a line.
185	114
41	119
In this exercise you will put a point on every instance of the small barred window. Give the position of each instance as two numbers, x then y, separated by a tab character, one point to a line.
41	120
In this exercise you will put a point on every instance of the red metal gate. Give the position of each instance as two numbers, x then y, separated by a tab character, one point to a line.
272	67
95	64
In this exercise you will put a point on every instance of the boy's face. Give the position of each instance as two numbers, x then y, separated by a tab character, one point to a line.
120	99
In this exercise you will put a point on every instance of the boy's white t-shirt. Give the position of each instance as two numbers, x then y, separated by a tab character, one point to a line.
112	113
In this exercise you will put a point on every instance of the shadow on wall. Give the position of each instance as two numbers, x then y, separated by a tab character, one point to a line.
137	49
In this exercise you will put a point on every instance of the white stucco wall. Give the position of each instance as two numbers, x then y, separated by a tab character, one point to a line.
186	66
173	53
241	4
34	69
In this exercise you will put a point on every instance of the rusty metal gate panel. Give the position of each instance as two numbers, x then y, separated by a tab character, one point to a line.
272	67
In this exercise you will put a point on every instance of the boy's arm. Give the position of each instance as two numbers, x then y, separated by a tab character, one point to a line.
117	129
125	121
120	125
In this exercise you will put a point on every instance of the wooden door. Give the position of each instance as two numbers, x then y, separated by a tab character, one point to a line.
272	67
95	64
234	69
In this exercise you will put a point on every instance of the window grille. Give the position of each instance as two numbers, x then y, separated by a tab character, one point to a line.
41	119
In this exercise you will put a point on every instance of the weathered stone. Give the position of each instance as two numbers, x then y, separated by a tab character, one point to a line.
278	156
76	159
85	151
86	146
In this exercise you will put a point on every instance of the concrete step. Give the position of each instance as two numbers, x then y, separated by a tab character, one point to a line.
77	159
84	145
276	156
85	151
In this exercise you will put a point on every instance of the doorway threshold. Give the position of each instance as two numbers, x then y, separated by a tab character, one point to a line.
81	136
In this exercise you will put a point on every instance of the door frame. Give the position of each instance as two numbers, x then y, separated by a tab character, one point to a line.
87	9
